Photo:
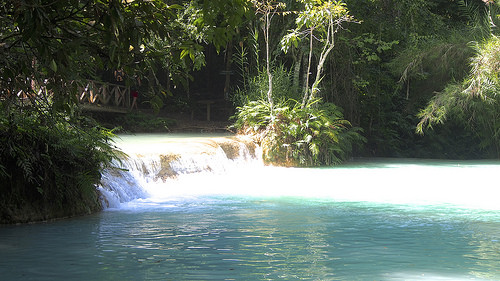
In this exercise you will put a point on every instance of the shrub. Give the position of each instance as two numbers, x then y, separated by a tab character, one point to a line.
293	135
49	165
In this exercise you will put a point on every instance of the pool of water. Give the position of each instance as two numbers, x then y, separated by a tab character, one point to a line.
234	238
370	219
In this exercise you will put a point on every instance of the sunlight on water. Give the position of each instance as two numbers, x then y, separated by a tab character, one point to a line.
461	186
207	171
202	208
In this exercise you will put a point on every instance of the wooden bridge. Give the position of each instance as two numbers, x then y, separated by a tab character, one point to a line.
94	96
105	97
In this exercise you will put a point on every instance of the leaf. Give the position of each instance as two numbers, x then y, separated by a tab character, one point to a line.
184	53
53	66
175	6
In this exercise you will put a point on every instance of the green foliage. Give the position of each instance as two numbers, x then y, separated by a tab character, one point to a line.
293	135
371	48
50	165
220	19
319	20
484	79
390	87
257	87
61	44
418	17
478	96
268	9
58	43
240	58
436	60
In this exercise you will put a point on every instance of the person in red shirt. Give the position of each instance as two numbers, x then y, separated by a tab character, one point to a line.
134	94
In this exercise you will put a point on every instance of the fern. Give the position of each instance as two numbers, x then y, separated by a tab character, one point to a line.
309	136
51	162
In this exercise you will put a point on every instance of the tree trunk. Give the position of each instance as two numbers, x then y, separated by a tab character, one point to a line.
296	70
269	75
319	71
327	48
305	99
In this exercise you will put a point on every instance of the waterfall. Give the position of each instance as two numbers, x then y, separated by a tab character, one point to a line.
153	162
166	170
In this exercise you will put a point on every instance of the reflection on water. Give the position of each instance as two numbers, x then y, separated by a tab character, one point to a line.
222	238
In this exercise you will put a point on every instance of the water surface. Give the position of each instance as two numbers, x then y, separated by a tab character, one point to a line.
366	220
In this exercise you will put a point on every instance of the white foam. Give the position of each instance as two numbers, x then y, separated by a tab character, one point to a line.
203	169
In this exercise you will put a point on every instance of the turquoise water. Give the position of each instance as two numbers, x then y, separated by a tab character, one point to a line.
223	219
215	238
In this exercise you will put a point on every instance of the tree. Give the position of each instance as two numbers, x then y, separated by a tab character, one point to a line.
57	44
268	9
198	26
320	20
478	95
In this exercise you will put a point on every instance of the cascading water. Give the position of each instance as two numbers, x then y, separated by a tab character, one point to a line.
161	169
154	166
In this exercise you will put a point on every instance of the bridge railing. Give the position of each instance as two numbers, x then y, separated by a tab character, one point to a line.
105	94
93	94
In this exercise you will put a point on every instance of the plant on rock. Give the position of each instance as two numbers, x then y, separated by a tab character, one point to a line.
296	135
